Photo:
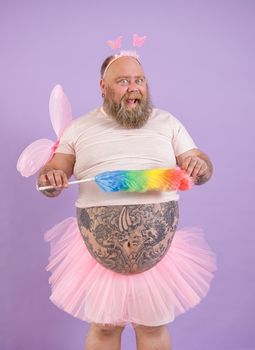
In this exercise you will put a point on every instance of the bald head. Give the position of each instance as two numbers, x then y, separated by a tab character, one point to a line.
111	59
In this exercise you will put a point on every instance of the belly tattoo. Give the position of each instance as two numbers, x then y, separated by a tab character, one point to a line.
128	238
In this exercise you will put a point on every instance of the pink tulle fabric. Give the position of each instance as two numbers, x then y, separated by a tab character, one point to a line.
87	290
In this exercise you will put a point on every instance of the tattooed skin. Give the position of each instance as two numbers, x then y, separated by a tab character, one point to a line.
129	238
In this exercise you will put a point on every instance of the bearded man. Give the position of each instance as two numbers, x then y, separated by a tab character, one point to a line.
121	267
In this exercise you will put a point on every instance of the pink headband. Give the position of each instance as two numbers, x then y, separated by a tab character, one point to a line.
122	54
116	44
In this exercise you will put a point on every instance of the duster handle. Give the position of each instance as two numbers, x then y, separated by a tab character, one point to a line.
43	188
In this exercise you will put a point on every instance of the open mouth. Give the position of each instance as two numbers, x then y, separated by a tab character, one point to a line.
132	102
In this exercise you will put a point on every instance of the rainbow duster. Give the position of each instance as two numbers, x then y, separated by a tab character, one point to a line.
159	179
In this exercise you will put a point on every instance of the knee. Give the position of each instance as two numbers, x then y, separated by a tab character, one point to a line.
156	331
107	330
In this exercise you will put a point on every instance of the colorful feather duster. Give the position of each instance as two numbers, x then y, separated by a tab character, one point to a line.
159	179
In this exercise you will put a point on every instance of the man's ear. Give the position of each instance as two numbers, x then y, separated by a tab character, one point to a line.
102	86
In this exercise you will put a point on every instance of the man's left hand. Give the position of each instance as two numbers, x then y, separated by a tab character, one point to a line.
197	165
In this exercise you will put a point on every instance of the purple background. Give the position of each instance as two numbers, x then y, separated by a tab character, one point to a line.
199	58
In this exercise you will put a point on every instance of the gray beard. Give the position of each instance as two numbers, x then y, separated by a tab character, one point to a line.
133	118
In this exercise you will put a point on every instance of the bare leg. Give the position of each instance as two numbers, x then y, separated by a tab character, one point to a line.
152	338
105	337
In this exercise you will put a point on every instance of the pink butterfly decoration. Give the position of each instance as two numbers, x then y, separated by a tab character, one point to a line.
115	44
138	40
39	152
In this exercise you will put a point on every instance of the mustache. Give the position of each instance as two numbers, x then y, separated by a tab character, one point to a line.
132	96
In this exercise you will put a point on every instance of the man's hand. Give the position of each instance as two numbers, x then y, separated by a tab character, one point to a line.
56	173
197	165
194	166
52	177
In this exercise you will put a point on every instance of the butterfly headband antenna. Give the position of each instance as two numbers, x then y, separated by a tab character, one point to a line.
138	41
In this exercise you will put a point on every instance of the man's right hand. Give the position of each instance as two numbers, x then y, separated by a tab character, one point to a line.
56	173
52	177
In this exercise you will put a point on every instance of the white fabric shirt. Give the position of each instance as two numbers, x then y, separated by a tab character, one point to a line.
100	144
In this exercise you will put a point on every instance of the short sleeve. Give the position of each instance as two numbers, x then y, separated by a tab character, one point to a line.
182	141
66	143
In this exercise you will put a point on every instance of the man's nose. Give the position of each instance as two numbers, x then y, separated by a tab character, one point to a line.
132	86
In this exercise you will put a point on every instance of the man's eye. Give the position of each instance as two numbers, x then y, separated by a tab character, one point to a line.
139	81
123	82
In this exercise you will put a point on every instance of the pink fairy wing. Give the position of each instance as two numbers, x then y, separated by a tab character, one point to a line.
115	44
34	157
138	40
60	110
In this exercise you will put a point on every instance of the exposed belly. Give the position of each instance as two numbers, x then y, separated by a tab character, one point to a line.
128	238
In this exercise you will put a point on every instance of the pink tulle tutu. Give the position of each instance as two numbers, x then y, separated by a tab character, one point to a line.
89	291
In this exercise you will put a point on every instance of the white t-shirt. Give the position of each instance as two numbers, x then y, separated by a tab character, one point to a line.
100	144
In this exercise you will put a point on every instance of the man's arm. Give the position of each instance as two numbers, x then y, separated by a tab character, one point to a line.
197	165
56	173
